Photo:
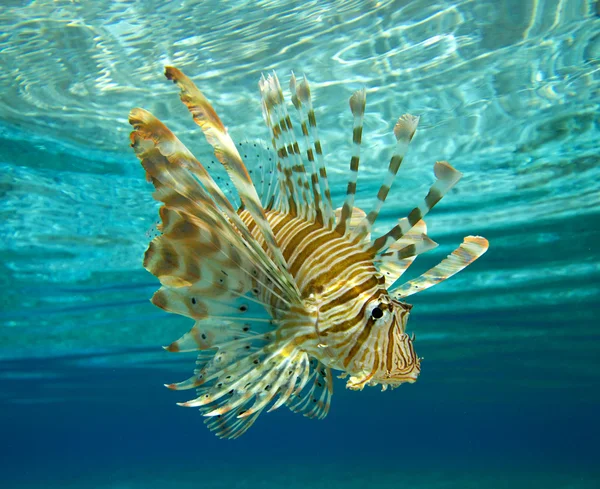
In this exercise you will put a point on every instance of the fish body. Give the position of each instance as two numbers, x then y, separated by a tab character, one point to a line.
338	284
283	289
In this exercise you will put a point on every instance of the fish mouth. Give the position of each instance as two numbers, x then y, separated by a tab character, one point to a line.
405	378
412	376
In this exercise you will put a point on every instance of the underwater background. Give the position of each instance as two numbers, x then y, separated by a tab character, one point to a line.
508	92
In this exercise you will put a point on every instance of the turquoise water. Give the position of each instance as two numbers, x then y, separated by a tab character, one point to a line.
507	91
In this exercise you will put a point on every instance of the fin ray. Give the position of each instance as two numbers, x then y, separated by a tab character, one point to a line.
447	177
471	249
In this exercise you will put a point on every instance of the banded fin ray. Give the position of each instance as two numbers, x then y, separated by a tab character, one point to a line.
471	248
404	130
319	206
358	103
291	170
205	116
447	177
395	261
301	97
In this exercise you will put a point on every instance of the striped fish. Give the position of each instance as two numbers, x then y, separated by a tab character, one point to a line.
282	288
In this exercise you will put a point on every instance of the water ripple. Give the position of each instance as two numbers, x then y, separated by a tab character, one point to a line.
508	91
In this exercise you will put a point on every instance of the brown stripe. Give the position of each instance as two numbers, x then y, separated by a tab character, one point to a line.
357	135
354	258
285	219
359	342
383	193
250	223
390	347
343	326
433	197
350	295
308	249
318	147
414	216
371	216
407	252
354	162
395	163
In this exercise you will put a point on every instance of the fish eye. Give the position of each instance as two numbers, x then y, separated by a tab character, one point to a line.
377	313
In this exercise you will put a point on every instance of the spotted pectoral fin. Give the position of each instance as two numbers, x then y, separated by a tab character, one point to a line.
186	188
471	249
314	399
242	379
210	302
226	152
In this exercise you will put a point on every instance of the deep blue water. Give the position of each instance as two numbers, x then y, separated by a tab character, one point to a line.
507	91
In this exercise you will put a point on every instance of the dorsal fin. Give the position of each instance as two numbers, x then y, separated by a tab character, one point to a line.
358	102
447	177
404	130
309	128
396	260
319	205
292	171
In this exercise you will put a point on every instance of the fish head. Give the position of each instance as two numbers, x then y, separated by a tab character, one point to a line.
398	361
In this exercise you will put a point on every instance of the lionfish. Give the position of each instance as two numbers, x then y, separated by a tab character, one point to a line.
283	288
